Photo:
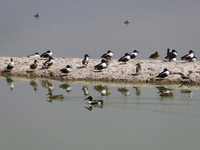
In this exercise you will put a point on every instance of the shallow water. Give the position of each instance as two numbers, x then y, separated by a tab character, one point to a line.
132	116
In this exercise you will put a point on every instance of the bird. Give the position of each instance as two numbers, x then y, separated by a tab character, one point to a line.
66	70
49	62
101	65
93	102
108	54
34	66
55	96
85	61
188	56
47	54
154	55
34	55
125	58
162	93
37	15
138	68
10	66
108	61
163	74
193	59
127	22
134	54
171	55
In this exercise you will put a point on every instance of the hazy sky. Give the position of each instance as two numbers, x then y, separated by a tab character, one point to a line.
73	28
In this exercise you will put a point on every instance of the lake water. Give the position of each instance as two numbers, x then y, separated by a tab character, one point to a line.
133	116
74	28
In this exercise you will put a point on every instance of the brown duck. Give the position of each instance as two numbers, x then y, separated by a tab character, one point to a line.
154	56
55	96
162	93
138	68
34	66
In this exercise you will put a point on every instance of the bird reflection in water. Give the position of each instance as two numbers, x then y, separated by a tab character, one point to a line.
162	88
10	82
104	90
48	85
85	90
137	90
186	91
90	107
124	91
66	87
33	83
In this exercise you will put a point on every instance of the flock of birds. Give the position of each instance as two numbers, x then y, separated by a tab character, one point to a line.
171	56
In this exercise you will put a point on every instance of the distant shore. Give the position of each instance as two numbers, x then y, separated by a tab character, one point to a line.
180	71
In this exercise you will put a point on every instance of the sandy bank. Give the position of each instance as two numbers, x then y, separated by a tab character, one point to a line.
180	71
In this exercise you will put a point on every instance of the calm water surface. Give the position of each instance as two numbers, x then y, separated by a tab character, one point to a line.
132	117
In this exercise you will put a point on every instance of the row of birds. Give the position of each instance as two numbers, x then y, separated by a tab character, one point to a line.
171	56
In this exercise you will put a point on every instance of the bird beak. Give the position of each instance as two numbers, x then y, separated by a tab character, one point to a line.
86	98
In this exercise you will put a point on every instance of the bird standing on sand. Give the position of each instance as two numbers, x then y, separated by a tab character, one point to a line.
47	54
93	102
37	15
108	61
126	22
154	55
66	70
85	61
163	74
108	54
171	55
162	93
49	62
10	66
34	55
134	54
138	68
188	56
125	58
34	66
101	66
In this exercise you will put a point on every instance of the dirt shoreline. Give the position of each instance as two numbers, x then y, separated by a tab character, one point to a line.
180	71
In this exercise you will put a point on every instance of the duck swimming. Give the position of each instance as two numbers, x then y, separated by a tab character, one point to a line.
162	93
93	102
55	96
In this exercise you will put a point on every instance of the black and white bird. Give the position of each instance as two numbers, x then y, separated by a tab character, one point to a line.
94	102
108	54
101	66
47	54
36	55
134	54
125	58
49	62
10	66
163	74
171	56
85	61
34	66
193	59
66	70
188	56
